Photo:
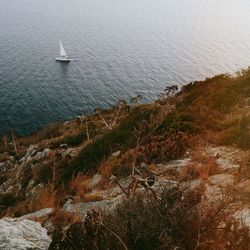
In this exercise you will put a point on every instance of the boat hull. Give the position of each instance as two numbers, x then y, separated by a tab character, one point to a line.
61	59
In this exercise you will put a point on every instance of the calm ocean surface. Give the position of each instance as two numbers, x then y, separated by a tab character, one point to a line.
120	48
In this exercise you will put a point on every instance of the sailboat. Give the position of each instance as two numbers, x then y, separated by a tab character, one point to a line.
63	56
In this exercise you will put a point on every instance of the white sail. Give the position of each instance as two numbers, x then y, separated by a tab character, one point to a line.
63	56
62	50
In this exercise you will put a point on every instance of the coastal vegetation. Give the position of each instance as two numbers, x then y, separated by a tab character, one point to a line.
89	158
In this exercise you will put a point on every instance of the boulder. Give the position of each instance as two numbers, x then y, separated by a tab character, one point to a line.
82	208
45	153
2	166
23	159
38	156
243	216
12	158
244	186
23	234
23	174
68	206
116	154
67	152
95	180
38	214
216	186
30	150
64	146
227	165
221	180
225	157
29	158
176	165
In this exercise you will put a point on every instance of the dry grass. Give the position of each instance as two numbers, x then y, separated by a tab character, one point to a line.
175	221
105	168
42	173
94	196
202	169
47	197
20	209
78	186
61	218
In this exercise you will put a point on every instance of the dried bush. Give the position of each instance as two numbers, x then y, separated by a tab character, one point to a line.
78	186
3	178
93	197
159	149
75	140
178	121
202	169
7	200
45	197
61	218
105	168
219	230
238	133
122	136
175	221
139	223
42	173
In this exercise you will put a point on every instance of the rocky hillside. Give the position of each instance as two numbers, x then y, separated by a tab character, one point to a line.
173	174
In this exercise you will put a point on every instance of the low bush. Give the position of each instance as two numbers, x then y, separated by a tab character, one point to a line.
61	218
3	178
78	186
46	197
201	171
178	121
138	223
121	137
159	149
42	173
7	200
75	140
238	133
174	221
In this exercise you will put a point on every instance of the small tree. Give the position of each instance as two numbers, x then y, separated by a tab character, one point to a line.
5	142
98	111
85	120
136	99
15	142
169	91
118	107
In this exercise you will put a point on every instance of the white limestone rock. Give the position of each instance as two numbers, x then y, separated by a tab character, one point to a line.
23	234
38	214
116	154
95	180
68	206
30	150
243	216
45	152
2	166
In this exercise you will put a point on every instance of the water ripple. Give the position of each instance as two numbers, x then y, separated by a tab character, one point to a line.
120	48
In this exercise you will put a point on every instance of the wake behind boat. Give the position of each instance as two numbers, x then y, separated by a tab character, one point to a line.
63	55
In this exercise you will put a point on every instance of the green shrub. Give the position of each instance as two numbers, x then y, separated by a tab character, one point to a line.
174	221
42	173
121	137
7	200
75	140
140	223
3	178
239	133
178	121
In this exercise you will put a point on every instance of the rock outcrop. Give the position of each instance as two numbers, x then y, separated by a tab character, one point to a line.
22	234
